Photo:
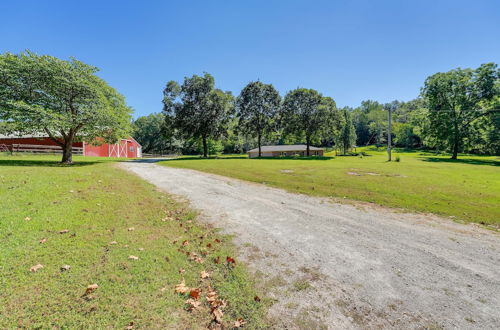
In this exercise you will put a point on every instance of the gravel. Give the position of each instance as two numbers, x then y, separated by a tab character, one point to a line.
330	265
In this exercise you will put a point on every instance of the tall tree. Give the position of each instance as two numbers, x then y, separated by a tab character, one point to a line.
456	99
257	107
305	113
63	99
347	133
198	109
154	134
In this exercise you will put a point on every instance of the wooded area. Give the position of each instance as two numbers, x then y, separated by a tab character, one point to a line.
456	111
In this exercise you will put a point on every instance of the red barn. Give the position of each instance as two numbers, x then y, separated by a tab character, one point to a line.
126	148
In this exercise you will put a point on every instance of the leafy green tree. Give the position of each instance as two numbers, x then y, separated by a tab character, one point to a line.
153	133
64	99
257	107
305	112
456	99
346	136
197	109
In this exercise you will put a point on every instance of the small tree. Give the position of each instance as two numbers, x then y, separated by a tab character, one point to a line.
63	99
456	99
257	107
197	109
305	113
346	136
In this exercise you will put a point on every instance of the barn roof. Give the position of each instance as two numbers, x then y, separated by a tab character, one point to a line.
287	147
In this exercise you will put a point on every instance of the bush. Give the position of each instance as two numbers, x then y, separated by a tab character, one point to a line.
398	159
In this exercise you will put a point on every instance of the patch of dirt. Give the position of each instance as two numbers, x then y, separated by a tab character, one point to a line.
331	265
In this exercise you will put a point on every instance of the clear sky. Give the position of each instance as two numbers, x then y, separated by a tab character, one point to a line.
349	50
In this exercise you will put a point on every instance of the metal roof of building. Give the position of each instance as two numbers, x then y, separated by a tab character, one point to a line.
287	147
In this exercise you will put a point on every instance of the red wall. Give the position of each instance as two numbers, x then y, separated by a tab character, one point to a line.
102	150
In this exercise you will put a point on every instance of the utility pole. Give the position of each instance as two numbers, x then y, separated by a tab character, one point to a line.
389	134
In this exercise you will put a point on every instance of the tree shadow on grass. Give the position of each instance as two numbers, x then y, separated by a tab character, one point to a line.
42	163
469	161
255	158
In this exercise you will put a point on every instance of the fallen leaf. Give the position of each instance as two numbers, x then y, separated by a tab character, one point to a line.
217	240
113	242
238	323
181	270
218	314
64	231
65	268
91	288
209	245
43	240
35	268
133	258
204	274
256	298
185	243
181	288
131	229
230	260
193	304
130	326
27	219
195	293
141	249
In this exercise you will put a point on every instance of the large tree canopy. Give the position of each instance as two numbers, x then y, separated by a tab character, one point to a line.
154	134
197	109
257	107
456	99
306	113
63	99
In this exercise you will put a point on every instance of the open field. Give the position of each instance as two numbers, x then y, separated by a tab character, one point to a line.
97	204
466	190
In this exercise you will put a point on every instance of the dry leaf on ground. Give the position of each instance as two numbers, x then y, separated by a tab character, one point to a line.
133	258
204	274
91	288
181	287
64	231
43	240
65	268
195	293
35	268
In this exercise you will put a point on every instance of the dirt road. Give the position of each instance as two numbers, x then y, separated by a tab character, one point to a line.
340	266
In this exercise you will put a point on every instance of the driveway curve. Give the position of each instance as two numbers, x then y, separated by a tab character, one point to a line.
330	265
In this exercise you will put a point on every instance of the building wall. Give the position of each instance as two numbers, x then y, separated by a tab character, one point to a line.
129	148
288	153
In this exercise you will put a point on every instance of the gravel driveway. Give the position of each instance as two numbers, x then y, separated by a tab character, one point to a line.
329	265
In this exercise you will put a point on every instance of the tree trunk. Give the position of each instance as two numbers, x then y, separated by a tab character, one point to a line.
67	157
260	151
205	147
307	146
456	140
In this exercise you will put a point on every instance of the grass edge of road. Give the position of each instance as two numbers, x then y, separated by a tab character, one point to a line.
111	217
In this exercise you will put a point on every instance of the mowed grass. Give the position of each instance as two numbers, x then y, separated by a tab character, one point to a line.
97	203
466	190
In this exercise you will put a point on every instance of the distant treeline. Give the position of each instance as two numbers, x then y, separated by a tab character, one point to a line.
457	111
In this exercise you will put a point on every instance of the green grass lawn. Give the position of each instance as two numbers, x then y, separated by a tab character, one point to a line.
467	189
97	203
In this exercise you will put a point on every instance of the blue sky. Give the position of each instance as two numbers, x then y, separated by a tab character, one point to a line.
349	50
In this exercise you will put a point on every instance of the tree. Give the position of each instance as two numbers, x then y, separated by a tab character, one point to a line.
257	107
63	99
197	109
305	113
154	134
346	137
456	99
